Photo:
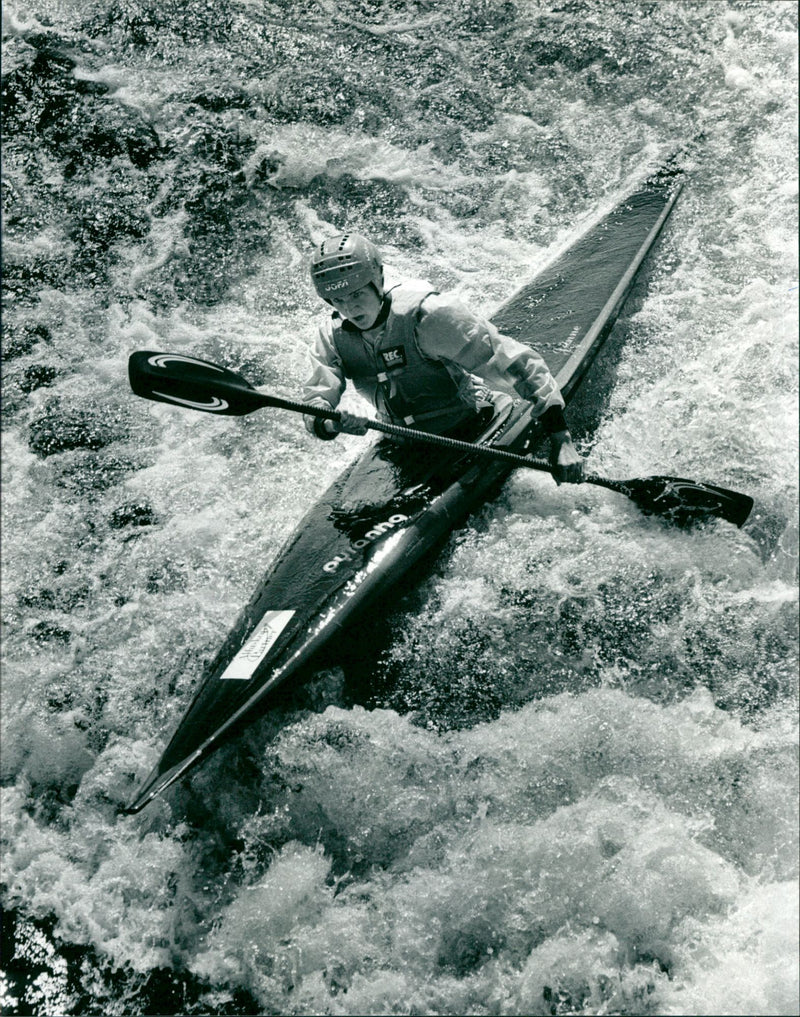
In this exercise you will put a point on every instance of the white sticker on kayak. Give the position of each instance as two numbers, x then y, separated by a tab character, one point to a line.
244	664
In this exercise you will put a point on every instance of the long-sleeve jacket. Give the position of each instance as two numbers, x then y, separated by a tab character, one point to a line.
447	331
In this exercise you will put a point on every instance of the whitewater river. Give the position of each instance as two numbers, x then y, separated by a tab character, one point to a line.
562	778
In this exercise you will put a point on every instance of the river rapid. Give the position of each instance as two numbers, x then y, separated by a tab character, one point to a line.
565	781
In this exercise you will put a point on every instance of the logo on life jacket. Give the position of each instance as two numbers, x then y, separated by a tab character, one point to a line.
395	356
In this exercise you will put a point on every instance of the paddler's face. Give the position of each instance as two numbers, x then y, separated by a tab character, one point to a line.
359	306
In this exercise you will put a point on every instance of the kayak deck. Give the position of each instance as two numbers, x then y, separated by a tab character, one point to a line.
395	504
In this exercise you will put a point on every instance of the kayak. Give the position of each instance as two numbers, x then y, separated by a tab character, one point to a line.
392	509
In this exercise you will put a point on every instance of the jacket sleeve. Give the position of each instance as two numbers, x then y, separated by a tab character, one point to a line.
326	380
448	331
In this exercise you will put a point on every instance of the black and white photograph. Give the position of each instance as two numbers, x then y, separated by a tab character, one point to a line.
399	517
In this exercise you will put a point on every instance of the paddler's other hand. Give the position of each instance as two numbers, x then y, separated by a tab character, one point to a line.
567	464
328	429
349	423
318	425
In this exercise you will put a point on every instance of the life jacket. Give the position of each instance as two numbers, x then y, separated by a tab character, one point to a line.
402	383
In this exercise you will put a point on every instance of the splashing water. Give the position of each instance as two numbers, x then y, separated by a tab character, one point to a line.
565	780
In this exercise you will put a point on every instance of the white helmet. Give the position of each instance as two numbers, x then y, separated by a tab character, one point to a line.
346	263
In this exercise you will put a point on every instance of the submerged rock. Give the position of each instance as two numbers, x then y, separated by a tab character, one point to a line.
383	206
134	513
86	472
27	273
18	341
218	100
42	96
38	376
100	223
153	22
45	632
108	131
321	96
61	429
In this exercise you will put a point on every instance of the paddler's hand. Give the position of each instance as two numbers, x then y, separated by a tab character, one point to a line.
348	423
567	464
318	425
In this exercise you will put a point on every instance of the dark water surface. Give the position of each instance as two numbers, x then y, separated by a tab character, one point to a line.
560	775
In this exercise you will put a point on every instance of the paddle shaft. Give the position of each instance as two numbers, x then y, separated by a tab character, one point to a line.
487	451
412	434
733	506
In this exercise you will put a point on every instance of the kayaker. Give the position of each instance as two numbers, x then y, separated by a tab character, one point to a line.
419	357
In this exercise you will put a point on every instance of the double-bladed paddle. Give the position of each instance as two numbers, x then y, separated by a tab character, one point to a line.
200	385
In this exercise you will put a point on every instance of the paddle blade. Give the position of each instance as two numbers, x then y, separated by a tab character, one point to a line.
197	384
684	501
